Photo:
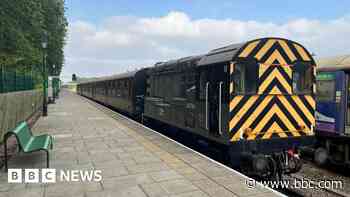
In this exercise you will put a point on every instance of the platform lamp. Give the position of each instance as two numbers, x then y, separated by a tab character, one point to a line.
53	82
44	46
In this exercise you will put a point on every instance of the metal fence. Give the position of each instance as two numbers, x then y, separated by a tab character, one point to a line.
19	78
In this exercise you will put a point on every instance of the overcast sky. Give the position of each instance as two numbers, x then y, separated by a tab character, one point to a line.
110	36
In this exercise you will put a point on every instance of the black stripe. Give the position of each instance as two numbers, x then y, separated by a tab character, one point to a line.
278	47
262	114
284	74
274	135
248	113
307	105
257	48
266	74
273	119
239	105
274	83
270	69
284	54
294	50
298	110
286	112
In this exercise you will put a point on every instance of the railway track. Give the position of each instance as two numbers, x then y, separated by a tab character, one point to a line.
287	191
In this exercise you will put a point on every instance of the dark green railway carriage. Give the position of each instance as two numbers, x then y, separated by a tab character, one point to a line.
124	92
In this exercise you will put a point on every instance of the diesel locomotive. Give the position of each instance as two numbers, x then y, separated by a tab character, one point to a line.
256	98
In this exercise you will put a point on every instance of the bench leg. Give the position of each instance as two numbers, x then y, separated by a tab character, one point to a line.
47	159
5	150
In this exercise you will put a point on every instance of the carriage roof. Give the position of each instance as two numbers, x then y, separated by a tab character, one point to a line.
111	77
334	63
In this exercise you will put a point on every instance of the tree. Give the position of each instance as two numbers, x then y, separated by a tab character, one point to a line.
74	77
22	25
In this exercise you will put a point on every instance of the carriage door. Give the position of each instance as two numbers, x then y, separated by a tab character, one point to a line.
214	94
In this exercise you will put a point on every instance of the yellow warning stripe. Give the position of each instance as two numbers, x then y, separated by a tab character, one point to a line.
235	101
274	110
311	101
254	115
265	48
231	87
275	74
275	128
276	55
249	49
231	67
292	111
288	51
275	90
288	70
302	107
262	69
302	52
242	111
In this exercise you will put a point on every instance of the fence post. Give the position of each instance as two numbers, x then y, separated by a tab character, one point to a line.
15	79
1	80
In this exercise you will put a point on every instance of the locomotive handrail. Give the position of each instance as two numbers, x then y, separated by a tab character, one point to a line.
206	105
220	94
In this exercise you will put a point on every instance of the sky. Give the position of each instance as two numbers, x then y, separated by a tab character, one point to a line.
107	37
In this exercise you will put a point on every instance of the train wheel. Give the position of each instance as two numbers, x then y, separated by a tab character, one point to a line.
274	172
321	156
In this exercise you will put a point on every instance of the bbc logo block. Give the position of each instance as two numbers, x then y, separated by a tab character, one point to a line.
48	175
14	175
31	176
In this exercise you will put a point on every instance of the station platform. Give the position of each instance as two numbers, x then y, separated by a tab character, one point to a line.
135	161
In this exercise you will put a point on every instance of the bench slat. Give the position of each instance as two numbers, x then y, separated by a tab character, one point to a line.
39	142
23	134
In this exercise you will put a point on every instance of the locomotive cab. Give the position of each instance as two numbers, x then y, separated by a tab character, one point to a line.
271	106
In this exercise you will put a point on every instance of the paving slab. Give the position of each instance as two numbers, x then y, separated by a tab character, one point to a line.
134	161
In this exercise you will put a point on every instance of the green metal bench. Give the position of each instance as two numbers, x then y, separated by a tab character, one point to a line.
29	143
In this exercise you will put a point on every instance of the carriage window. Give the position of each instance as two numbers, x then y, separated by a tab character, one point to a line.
302	78
325	87
245	78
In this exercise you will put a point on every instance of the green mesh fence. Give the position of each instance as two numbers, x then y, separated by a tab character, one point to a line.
19	78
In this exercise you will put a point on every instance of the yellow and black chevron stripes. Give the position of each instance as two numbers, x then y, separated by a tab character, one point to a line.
275	79
269	115
274	110
275	51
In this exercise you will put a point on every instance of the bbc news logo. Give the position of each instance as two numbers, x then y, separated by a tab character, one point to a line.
49	175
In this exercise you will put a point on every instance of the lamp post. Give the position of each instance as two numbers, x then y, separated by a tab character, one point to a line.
44	46
53	83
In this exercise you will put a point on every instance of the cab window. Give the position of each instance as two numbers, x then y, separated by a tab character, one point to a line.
302	78
325	87
245	77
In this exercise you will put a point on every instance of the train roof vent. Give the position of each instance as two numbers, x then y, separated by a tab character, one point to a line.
158	63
